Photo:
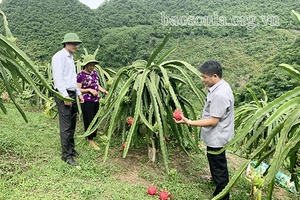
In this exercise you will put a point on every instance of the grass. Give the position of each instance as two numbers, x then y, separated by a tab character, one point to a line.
31	168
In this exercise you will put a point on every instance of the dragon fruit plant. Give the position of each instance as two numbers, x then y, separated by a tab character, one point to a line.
149	92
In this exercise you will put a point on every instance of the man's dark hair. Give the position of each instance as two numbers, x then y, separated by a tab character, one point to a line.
210	68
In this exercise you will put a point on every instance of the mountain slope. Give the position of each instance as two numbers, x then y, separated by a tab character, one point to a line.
41	25
127	30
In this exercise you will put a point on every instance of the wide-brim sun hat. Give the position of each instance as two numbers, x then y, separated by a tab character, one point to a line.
71	37
89	59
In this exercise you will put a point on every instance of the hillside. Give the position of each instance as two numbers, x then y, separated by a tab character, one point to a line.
127	30
116	13
40	25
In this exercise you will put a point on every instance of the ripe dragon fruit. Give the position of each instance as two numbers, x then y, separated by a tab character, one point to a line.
152	190
164	195
130	121
177	114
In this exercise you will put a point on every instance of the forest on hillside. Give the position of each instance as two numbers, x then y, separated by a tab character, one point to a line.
128	30
149	52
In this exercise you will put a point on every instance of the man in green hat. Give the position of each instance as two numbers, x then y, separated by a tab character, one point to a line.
65	82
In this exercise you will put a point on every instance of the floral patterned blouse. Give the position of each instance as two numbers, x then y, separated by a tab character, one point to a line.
89	81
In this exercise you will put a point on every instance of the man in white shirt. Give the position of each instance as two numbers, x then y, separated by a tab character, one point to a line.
65	82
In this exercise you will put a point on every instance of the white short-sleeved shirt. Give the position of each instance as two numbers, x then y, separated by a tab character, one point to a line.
64	72
220	104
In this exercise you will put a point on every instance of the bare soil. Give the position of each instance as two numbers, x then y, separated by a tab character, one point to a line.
137	161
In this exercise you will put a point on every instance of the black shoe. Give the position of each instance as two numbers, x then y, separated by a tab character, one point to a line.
75	153
70	161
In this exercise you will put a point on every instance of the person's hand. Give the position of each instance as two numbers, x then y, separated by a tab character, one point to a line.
183	120
81	99
68	103
94	92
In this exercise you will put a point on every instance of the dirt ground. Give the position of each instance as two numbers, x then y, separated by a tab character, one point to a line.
137	161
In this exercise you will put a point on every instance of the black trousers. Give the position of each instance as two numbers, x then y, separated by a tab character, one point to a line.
89	110
219	170
67	125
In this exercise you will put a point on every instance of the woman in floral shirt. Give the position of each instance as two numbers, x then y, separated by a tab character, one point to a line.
87	82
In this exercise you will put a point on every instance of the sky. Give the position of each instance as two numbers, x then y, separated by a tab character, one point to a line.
93	4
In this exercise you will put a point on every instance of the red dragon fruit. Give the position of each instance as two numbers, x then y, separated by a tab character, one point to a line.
130	121
152	190
164	195
177	114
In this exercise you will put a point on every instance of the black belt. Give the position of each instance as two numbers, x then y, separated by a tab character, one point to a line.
71	91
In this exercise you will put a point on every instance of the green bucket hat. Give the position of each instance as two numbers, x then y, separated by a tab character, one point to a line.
71	37
89	59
